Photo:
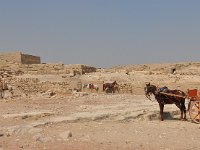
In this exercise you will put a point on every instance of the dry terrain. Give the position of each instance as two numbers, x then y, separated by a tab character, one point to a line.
93	121
43	111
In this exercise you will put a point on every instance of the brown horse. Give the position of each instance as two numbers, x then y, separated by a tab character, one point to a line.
169	98
110	87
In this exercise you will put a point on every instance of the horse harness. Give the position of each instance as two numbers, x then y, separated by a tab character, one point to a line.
164	94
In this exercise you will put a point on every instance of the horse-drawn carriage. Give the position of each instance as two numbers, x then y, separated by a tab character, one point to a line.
177	97
194	105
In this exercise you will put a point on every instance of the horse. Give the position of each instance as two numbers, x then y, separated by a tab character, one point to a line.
91	86
111	87
176	97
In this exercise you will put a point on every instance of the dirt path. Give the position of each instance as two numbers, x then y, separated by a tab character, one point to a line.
104	121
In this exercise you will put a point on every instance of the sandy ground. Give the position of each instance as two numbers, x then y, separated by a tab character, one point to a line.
94	122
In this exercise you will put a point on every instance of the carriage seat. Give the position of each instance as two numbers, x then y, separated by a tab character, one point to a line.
192	93
163	89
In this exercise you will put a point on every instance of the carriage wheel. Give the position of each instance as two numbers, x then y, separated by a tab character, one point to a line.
194	111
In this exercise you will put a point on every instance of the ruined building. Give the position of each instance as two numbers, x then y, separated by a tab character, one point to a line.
29	64
18	57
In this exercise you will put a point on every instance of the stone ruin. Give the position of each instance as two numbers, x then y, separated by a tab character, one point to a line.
18	63
28	76
18	57
22	72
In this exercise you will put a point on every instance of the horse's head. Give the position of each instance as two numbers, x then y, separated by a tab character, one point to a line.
149	90
114	83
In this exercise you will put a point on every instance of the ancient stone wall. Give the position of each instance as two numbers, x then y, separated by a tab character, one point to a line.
42	69
11	57
54	69
80	69
29	59
18	57
31	86
125	88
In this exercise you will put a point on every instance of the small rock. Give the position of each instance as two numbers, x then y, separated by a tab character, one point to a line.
65	135
42	138
21	146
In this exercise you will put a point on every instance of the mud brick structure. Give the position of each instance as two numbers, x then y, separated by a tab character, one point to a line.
16	62
80	69
18	57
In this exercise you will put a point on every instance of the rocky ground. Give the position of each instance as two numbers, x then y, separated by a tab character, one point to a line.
93	122
99	121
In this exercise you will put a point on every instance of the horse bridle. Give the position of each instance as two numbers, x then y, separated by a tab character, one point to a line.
147	93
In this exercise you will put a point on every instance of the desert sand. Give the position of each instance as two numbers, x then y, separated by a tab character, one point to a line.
88	120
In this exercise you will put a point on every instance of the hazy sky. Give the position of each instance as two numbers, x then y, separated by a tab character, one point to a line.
102	33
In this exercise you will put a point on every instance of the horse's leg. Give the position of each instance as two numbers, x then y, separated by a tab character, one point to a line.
189	104
161	111
91	89
97	89
183	108
180	106
108	90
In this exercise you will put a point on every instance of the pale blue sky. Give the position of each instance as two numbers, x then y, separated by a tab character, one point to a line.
102	33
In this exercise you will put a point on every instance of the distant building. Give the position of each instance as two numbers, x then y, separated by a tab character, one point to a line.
80	69
18	57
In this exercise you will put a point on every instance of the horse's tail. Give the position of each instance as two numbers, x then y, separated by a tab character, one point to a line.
103	87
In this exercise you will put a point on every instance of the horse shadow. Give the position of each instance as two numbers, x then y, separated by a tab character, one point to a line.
169	115
172	115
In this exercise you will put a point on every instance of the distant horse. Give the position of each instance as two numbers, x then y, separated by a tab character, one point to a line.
91	86
176	97
111	87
